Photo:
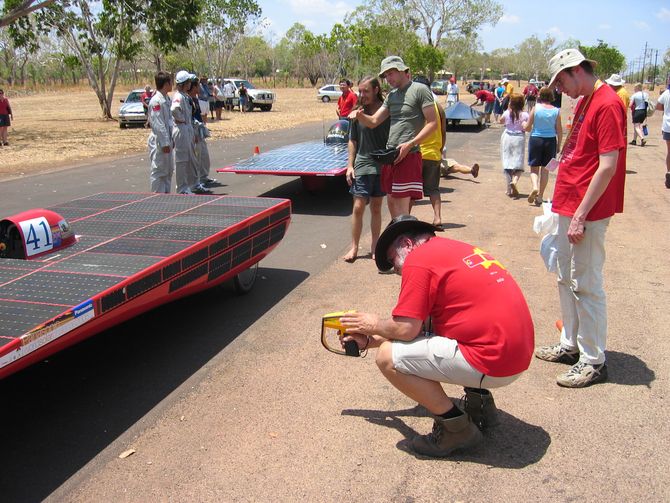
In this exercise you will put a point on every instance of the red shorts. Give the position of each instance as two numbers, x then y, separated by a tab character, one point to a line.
404	179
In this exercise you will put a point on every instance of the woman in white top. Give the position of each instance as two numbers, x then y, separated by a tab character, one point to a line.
638	105
664	104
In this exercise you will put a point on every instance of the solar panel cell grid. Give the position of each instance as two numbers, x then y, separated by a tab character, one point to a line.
308	158
105	263
19	317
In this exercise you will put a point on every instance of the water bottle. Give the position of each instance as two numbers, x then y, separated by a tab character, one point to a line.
645	131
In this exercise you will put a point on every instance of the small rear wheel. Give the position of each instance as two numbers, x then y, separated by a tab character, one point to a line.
245	280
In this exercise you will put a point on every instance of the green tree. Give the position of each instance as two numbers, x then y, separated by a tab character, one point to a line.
434	19
251	57
224	23
372	41
610	59
424	59
533	56
102	34
462	56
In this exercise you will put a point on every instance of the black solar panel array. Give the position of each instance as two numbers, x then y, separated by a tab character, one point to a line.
124	235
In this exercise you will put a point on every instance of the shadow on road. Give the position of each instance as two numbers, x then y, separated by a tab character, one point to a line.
333	200
513	444
59	414
623	368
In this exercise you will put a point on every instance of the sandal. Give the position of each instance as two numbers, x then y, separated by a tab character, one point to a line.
533	195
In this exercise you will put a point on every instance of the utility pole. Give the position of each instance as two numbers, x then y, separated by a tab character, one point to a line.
653	79
644	61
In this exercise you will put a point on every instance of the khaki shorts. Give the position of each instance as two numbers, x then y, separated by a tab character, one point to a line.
439	359
446	165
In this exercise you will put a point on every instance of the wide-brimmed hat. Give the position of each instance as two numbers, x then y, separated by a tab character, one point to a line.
615	80
569	58
182	76
399	225
532	81
504	80
391	63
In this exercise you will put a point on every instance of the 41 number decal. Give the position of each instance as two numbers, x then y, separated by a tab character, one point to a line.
37	237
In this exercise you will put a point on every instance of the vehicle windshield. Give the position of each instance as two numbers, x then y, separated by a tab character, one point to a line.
246	83
134	97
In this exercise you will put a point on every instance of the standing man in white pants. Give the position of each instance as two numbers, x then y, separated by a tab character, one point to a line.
160	140
183	134
589	190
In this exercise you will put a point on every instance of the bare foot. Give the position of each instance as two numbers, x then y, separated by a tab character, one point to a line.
351	256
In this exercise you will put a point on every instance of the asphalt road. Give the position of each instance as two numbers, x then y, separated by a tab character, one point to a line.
59	414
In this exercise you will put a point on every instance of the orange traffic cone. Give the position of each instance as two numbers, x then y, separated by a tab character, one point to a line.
569	124
257	150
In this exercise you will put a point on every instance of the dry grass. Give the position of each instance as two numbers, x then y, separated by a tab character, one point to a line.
61	129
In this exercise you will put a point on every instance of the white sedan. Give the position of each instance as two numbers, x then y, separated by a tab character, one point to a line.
329	92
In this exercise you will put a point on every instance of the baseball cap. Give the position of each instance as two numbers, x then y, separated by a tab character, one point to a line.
182	76
390	63
568	58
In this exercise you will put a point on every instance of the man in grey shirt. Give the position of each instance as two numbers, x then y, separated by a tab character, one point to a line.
413	119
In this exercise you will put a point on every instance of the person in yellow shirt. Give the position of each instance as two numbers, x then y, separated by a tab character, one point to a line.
431	155
616	82
509	89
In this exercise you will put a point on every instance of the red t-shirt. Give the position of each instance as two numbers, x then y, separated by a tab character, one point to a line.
602	130
484	95
530	91
5	109
346	103
472	299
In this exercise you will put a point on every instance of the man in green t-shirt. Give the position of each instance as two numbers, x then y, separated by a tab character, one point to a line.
413	120
363	172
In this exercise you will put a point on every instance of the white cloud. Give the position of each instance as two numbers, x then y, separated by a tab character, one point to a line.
663	14
641	25
308	23
510	19
605	26
326	8
556	32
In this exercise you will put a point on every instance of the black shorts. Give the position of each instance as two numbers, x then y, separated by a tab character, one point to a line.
4	120
541	150
639	116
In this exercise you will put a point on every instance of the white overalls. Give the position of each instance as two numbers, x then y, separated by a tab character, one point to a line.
183	143
162	164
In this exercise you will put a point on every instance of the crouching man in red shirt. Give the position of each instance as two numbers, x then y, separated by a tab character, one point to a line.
589	189
460	319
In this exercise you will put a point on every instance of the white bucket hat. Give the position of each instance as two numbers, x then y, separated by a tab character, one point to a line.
569	58
615	80
182	76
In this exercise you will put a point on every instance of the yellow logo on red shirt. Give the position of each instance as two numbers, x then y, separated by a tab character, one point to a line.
480	257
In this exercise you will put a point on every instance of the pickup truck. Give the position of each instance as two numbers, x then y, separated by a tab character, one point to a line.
258	98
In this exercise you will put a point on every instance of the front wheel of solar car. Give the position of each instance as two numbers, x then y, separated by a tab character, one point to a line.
245	280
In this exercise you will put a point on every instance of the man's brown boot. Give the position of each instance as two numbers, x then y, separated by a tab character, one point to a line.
448	435
479	404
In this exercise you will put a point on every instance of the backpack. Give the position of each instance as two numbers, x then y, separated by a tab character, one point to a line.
532	91
651	107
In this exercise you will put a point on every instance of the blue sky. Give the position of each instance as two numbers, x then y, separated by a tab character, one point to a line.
624	24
